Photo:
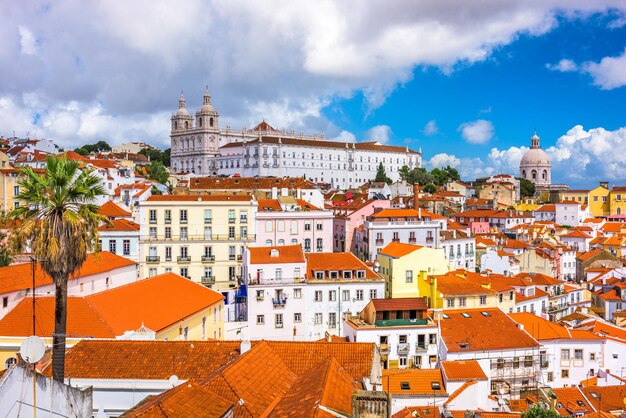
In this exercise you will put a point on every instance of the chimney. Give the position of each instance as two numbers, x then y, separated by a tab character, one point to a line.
416	196
245	346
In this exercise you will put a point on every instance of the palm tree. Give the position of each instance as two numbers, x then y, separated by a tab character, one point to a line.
58	222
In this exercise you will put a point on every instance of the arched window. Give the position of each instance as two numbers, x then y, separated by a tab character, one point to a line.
175	124
211	122
268	243
524	174
281	242
619	211
186	125
534	174
200	122
544	175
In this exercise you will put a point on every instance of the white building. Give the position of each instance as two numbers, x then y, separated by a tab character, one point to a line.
459	248
120	237
206	149
296	297
569	212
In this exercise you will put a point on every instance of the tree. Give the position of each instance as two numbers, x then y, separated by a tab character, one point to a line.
156	171
6	255
538	411
527	187
430	188
381	175
59	223
88	148
441	176
157	155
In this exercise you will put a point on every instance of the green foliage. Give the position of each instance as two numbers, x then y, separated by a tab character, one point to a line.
155	191
59	224
430	188
156	171
537	411
527	187
157	155
441	176
6	254
381	175
88	148
437	176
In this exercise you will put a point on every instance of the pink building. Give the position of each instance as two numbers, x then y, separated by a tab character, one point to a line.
479	227
290	221
348	218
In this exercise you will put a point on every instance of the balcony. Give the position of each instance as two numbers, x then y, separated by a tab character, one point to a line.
243	220
395	239
239	257
279	302
185	259
430	239
208	258
153	259
208	220
231	257
384	349
404	348
183	221
276	280
420	348
380	241
201	237
153	221
556	308
207	280
231	220
168	221
412	240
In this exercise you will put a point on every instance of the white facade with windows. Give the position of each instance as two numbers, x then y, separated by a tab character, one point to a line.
205	149
124	243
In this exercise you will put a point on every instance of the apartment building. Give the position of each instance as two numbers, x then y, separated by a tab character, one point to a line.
199	237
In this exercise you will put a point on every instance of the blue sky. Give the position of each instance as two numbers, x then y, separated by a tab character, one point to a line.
465	81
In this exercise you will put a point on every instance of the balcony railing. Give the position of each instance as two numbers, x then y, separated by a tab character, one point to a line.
207	280
421	347
231	257
384	349
243	219
430	239
208	258
183	221
279	302
153	259
412	240
404	348
395	239
201	237
185	259
277	280
380	241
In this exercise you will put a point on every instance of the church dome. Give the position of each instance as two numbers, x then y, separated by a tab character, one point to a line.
182	107
207	106
535	156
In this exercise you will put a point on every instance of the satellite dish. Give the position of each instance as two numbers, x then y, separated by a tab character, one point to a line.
32	349
173	380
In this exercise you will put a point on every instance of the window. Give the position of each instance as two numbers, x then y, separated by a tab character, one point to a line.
373	294
550	376
307	226
243	216
183	216
297	293
184	272
462	302
483	300
564	373
112	246
402	363
5	301
168	216
450	302
168	253
307	245
318	226
332	295
318	296
318	318
278	320
516	362
260	319
528	361
578	354
409	276
152	271
168	232
320	245
565	354
345	295
183	232
432	338
231	216
243	232
359	294
153	216
231	232
152	232
297	317
592	356
332	320
16	190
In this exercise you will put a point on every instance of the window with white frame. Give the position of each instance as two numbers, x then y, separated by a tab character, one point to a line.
297	293
318	318
332	295
318	296
373	293
297	317
345	295
409	276
359	294
332	320
278	320
260	319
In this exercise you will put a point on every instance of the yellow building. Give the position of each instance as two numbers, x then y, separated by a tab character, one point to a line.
599	204
165	307
580	196
504	193
617	200
9	188
198	237
461	289
401	265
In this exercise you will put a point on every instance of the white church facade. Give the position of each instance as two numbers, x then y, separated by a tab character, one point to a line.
201	147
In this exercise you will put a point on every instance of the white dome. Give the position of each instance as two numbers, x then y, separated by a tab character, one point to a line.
535	156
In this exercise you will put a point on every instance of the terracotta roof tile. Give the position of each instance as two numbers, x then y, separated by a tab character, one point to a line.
248	183
463	370
199	198
400	304
606	398
283	254
371	146
397	249
542	329
120	225
19	276
493	330
420	382
571	401
339	262
112	210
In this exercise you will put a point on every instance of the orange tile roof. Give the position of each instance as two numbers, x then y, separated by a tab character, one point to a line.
269	205
327	262
112	210
110	313
119	225
614	227
570	401
286	254
463	370
421	411
546	208
73	156
589	254
610	398
497	331
19	276
400	304
452	285
157	360
185	400
542	329
419	381
199	198
576	234
398	249
249	183
406	213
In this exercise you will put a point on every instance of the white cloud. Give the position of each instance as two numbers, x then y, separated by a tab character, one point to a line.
477	132
431	128
28	42
285	60
565	65
380	133
609	73
345	136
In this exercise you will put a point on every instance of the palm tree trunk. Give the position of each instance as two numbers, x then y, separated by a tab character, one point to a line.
60	326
